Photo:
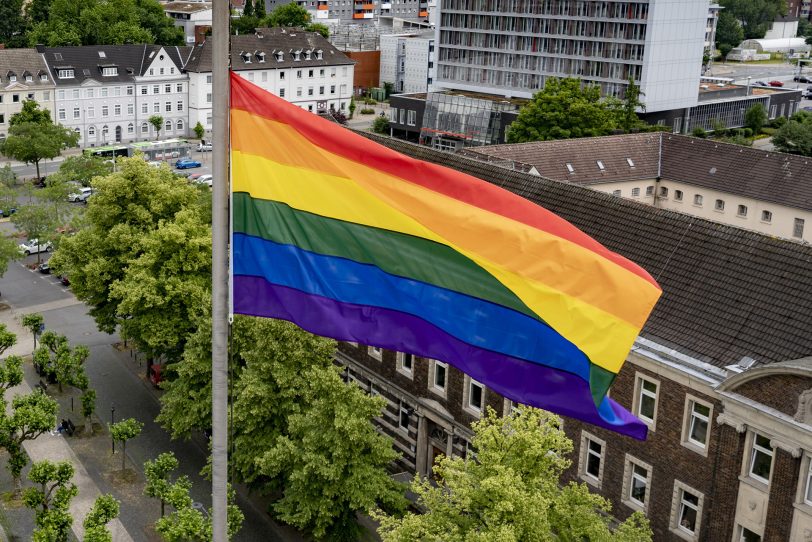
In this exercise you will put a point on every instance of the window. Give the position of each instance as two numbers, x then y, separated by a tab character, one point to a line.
321	72
117	109
179	87
91	132
761	458
130	109
144	108
109	72
168	126
2	118
321	91
741	211
473	396
156	107
719	205
375	352
438	375
649	190
130	90
677	195
766	216
746	535
635	192
645	400
617	193
411	118
298	91
160	71
600	165
696	424
60	95
144	128
131	128
103	92
144	90
332	89
43	77
685	511
179	125
591	458
405	413
89	93
208	79
309	91
180	105
91	112
698	199
663	191
168	88
156	89
15	98
46	95
76	113
402	119
168	106
298	74
798	228
208	98
405	364
570	169
310	73
281	93
636	481
116	91
65	74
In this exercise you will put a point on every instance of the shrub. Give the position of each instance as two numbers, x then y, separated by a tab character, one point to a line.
778	122
698	131
369	101
380	125
367	111
748	132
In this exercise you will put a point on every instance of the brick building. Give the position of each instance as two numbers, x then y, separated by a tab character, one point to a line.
721	373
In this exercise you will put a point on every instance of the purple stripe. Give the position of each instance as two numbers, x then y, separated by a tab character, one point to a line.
521	381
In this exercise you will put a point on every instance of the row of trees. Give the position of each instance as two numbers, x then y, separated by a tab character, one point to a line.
745	19
290	15
86	22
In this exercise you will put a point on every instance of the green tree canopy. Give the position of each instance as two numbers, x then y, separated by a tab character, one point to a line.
511	491
248	9
728	31
83	169
122	432
12	23
564	108
795	137
105	509
291	15
31	142
159	485
259	9
756	16
61	361
755	118
31	415
50	499
30	112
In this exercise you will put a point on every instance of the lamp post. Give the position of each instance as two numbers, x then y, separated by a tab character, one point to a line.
112	421
748	84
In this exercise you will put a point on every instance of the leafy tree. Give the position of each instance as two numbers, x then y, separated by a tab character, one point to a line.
63	363
83	169
564	108
756	16
157	122
728	31
199	130
352	105
32	142
259	9
291	15
724	49
755	118
33	322
50	499
31	415
11	20
380	125
88	400
319	28
122	432
327	476
105	509
11	373
37	11
30	113
794	137
699	132
54	34
36	221
627	110
244	25
247	11
159	486
511	491
187	524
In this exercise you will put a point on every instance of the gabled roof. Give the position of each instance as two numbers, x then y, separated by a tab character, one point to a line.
773	177
21	62
271	41
87	62
178	55
728	293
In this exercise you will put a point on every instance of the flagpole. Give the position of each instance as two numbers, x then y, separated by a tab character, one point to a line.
220	303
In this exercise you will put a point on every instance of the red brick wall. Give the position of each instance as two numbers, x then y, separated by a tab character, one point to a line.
722	504
777	391
782	495
367	68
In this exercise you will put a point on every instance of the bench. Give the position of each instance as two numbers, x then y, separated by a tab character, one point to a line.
42	385
68	427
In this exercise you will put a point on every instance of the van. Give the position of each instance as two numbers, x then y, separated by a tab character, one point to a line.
80	195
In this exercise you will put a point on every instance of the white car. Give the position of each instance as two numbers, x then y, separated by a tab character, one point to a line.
204	179
80	195
204	147
33	247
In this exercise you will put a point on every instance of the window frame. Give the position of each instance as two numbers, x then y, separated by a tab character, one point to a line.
375	352
636	192
678	195
752	450
433	387
628	477
698	200
639	392
687	424
677	506
584	452
741	210
467	394
719	205
766	216
400	366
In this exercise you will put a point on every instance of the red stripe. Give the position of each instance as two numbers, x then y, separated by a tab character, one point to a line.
476	192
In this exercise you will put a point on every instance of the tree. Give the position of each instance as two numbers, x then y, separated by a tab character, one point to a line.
319	28
37	11
159	486
259	9
105	509
56	34
88	400
755	118
352	105
31	415
122	432
511	491
31	142
33	322
37	222
11	20
627	110
290	15
564	108
380	125
82	169
794	137
199	130
756	16
728	32
157	122
247	11
11	373
188	524
63	363
30	113
328	477
50	499
244	25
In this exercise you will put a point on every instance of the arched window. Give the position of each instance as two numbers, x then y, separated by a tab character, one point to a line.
179	125
144	128
130	128
168	126
105	131
91	132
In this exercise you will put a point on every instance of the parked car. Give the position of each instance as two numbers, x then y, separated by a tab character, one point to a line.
760	84
186	163
33	246
204	147
7	211
776	84
81	195
44	268
802	79
193	176
155	163
204	179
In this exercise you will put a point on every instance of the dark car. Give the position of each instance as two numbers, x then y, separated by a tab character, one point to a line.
7	212
776	84
185	163
44	268
802	79
760	84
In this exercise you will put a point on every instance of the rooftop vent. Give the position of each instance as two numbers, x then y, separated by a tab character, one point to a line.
712	171
102	54
57	56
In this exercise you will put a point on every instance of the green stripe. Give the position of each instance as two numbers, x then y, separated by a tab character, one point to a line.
394	252
600	380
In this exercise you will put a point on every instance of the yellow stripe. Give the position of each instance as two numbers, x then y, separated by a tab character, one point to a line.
602	336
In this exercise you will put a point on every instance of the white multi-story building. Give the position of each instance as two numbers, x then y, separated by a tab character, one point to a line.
511	48
407	61
301	67
96	90
23	76
190	16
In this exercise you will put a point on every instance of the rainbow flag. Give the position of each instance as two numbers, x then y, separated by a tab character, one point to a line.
352	240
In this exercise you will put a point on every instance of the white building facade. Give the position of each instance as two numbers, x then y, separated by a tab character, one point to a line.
301	67
407	61
162	89
512	48
23	76
189	16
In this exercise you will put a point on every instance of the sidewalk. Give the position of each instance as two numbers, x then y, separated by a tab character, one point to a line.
55	447
76	151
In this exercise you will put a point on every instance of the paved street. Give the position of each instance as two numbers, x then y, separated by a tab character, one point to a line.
118	380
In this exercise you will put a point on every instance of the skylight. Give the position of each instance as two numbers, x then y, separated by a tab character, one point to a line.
102	54
630	162
600	165
570	168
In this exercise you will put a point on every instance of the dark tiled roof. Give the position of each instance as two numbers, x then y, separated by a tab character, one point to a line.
20	62
773	177
87	63
727	292
271	41
186	7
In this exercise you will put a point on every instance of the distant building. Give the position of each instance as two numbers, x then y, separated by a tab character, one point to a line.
191	17
407	61
361	12
301	67
23	76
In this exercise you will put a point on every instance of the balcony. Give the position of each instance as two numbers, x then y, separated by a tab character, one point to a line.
363	15
423	13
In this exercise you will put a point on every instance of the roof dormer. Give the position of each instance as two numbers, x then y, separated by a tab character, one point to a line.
246	57
260	56
280	56
307	54
319	54
12	76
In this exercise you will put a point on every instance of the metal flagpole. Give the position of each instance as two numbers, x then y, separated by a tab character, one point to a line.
220	302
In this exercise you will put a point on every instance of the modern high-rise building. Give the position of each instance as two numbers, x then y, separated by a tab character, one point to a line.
512	47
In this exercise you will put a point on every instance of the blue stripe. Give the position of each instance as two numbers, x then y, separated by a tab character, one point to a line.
474	321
